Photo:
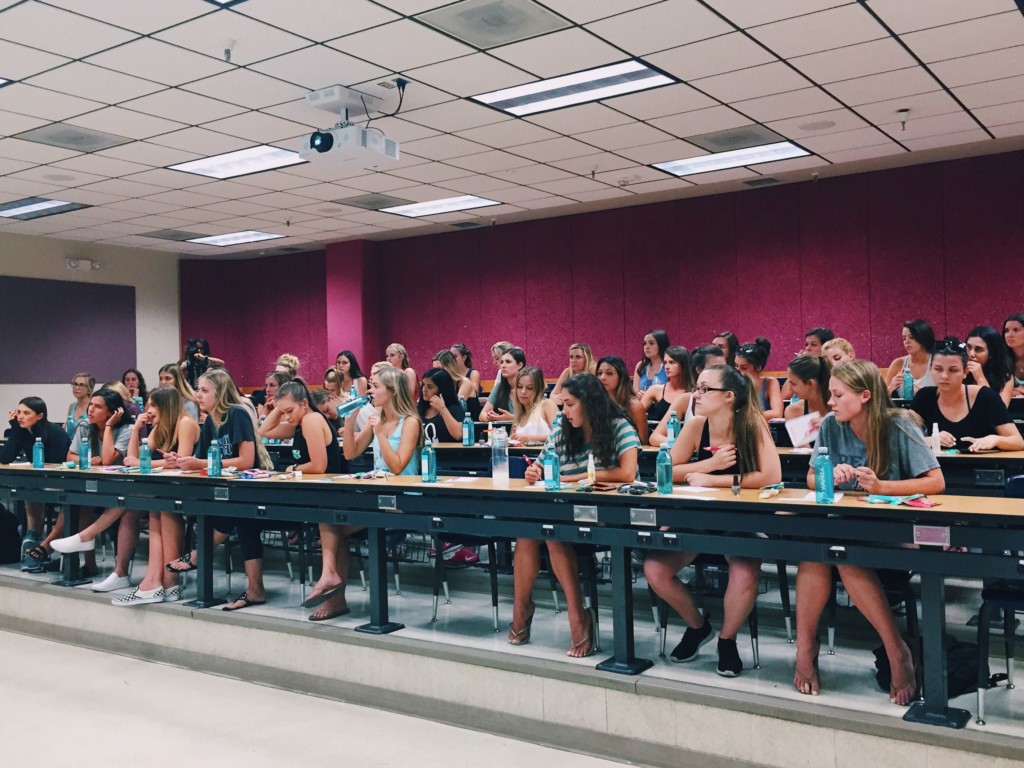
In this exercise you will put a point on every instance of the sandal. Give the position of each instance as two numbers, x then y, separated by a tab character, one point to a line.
573	651
245	603
35	559
521	636
809	685
325	614
318	598
185	560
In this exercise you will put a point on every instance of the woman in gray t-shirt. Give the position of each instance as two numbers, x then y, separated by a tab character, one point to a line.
877	449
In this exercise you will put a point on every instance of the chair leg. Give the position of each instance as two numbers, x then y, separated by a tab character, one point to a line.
787	610
984	616
754	642
590	572
1009	619
287	555
302	561
663	616
830	617
398	573
492	569
438	576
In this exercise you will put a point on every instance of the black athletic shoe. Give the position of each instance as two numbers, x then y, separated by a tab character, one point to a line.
691	643
729	663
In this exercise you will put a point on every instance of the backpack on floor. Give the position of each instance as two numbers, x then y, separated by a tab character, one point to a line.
961	667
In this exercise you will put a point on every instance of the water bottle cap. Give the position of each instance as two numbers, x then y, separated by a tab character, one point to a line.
823	451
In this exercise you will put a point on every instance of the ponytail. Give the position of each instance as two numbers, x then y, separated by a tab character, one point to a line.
748	422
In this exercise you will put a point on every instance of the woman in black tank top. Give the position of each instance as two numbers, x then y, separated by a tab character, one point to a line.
314	442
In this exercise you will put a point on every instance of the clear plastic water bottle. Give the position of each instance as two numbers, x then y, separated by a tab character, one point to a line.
352	404
38	457
591	470
468	438
552	471
428	462
499	457
663	467
213	460
145	457
824	490
84	450
907	385
672	428
353	393
936	439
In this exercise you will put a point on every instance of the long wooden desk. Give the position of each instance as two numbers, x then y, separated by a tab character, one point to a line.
849	532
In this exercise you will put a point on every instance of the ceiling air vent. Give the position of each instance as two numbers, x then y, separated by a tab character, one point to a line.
72	137
735	138
764	181
467	224
372	202
489	23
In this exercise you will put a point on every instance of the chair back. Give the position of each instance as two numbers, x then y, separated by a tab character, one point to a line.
1015	487
516	467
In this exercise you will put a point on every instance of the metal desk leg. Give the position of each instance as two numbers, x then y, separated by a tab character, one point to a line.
623	662
204	570
935	709
378	567
71	575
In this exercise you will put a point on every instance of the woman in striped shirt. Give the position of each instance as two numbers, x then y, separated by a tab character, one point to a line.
591	425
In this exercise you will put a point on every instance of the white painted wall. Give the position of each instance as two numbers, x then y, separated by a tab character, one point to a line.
153	274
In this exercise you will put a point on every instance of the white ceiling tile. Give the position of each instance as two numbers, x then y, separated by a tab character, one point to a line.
159	61
20	62
247	88
453	116
859	137
10	165
883	86
143	16
947	139
507	134
276	180
321	169
920	105
553	149
474	185
487	162
700	121
145	153
980	67
1003	114
401	45
516	194
725	53
25	188
846	25
668	100
318	19
570	187
1008	130
572	119
820	124
411	7
533	174
11	123
39	102
231	190
601	162
968	37
319	67
559	53
92	197
428	173
279	200
175	104
991	93
33	152
744	13
623	136
163	177
143	207
791	104
633	174
97	83
583	11
254	40
909	15
125	188
660	26
854	61
258	127
58	178
443	147
608	193
417	94
58	31
549	201
471	75
201	141
125	122
751	83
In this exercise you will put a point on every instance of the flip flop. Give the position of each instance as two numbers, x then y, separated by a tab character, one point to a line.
331	614
245	603
322	597
186	559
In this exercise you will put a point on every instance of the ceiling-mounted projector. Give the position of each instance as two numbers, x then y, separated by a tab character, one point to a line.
349	143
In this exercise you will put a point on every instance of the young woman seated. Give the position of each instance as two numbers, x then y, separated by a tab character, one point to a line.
808	379
274	381
439	405
702	357
82	385
399	358
658	399
168	430
328	404
877	449
988	361
288	363
135	384
751	360
295	417
499	403
351	375
726	443
533	414
614	377
27	423
581	360
651	370
107	434
464	360
838	351
592	424
498	349
970	417
1013	335
728	343
814	345
395	434
918	340
464	386
171	376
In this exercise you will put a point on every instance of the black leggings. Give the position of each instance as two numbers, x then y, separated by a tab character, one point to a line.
249	531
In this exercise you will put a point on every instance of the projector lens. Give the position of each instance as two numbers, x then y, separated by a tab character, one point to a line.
321	141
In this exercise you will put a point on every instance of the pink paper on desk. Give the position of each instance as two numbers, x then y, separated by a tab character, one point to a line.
803	430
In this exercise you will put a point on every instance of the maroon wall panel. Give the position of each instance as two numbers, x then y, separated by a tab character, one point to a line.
547	274
651	249
707	275
598	296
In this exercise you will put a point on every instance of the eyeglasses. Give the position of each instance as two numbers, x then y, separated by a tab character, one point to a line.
703	389
79	384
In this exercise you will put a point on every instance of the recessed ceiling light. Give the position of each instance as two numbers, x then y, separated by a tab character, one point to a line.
36	207
445	205
235	238
577	88
768	153
242	162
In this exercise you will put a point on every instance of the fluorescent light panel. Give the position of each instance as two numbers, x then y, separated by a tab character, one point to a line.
445	205
235	238
577	88
241	162
719	161
36	208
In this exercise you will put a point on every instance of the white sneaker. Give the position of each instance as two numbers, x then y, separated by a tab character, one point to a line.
72	544
172	594
139	597
112	582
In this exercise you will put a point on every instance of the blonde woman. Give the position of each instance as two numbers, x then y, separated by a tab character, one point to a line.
393	431
288	364
399	358
533	415
82	385
171	376
838	351
581	360
464	387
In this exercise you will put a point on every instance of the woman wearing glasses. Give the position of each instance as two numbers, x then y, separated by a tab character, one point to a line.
82	385
971	418
727	443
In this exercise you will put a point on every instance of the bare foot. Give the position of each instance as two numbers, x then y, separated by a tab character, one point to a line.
521	636
805	674
903	688
331	609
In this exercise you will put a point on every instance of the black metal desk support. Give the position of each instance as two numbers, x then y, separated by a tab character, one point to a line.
623	662
378	567
71	574
204	574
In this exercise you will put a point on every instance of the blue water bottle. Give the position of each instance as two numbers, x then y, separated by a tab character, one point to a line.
352	404
428	462
468	438
213	460
672	429
37	454
552	471
907	386
664	470
145	457
824	490
84	451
